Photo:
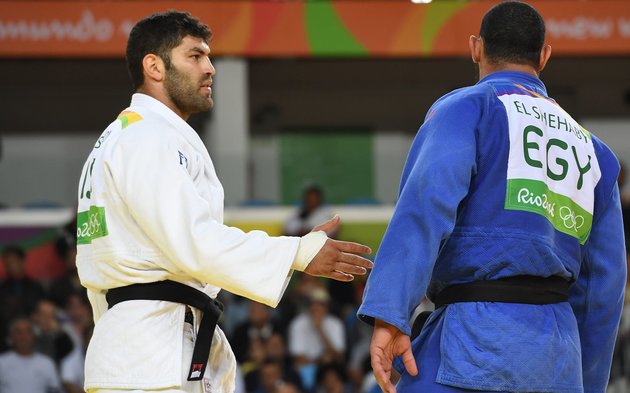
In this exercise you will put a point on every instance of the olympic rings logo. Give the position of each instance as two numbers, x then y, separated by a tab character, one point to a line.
570	219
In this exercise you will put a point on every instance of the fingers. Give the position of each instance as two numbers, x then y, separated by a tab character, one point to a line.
340	276
350	269
355	260
410	362
329	226
333	261
382	376
352	247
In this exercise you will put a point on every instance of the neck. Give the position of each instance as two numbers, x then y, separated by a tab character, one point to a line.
161	96
486	69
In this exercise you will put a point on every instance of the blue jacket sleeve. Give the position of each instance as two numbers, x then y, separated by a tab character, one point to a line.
597	295
435	179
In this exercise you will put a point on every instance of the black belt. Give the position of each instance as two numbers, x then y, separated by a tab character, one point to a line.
172	291
517	289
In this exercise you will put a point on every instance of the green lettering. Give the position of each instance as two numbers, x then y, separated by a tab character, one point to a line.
563	121
544	117
581	169
551	121
518	106
563	163
531	145
536	113
88	173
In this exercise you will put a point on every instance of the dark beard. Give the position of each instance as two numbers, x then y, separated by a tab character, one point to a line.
184	93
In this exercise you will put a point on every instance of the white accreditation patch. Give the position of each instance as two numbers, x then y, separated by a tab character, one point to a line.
552	166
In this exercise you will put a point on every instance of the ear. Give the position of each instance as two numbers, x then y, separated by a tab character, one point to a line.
153	67
545	54
475	44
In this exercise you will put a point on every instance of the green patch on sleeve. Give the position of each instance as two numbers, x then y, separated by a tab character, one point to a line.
91	224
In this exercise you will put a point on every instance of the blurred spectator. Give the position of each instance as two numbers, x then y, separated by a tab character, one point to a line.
331	378
51	338
304	288
276	348
312	212
78	315
69	283
315	338
19	293
251	366
359	340
236	310
79	319
271	350
21	369
258	325
272	378
71	371
343	302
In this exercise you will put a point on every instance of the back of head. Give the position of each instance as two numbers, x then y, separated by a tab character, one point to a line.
513	32
15	251
158	34
14	258
21	336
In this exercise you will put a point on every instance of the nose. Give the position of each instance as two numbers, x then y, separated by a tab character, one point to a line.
209	68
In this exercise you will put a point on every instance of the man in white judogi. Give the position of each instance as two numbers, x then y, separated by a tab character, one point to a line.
151	211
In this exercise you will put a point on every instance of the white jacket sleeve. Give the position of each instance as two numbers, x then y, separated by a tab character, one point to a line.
166	203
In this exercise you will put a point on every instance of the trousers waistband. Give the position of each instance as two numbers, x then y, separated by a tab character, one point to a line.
172	291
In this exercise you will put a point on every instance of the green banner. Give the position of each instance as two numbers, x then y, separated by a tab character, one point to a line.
563	213
91	224
338	161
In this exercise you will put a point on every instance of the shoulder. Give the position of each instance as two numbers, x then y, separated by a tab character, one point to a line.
607	160
150	127
149	135
466	101
604	153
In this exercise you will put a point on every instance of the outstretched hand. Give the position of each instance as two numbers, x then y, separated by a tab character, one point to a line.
387	343
337	259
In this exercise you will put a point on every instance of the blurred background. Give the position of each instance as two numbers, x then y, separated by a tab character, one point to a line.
316	104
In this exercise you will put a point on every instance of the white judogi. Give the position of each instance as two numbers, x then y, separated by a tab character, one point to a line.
151	209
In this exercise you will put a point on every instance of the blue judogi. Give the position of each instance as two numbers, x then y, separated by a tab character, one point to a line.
499	182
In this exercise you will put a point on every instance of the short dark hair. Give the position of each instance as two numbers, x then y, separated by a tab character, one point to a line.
13	249
159	34
513	32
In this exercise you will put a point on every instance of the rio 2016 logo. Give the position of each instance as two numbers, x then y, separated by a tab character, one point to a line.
89	228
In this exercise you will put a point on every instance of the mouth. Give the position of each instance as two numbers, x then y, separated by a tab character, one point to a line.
207	86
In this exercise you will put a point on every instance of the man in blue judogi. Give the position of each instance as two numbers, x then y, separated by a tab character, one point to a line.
509	219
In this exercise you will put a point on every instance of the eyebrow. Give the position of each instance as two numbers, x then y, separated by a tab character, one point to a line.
199	50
